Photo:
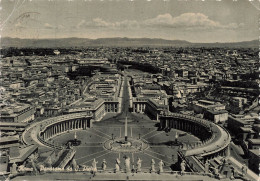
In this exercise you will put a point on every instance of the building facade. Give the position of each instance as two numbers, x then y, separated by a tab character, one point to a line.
18	113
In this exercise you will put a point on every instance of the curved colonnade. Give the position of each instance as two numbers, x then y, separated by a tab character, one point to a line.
39	132
214	138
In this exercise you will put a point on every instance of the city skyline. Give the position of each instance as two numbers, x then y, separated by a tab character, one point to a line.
193	21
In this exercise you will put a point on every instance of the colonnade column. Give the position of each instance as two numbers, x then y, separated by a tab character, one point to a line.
84	123
52	130
80	123
48	133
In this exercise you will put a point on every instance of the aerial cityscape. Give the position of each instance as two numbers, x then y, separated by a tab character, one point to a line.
110	98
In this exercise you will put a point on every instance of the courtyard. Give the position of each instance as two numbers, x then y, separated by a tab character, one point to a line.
143	131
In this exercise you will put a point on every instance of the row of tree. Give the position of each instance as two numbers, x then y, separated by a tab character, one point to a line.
9	52
242	84
145	67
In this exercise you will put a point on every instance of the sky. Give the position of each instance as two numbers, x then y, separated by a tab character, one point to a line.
192	20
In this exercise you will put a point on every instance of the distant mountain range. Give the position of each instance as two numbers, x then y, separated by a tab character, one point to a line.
116	42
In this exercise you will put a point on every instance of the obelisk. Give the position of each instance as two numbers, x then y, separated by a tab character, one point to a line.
75	135
125	128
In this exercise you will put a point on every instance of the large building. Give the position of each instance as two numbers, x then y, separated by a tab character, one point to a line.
94	106
155	108
216	116
212	111
98	107
254	144
112	105
152	107
240	127
17	113
139	104
202	105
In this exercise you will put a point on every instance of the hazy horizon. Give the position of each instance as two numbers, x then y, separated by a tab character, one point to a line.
192	21
124	38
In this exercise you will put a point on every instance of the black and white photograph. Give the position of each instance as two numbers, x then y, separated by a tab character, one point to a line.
150	90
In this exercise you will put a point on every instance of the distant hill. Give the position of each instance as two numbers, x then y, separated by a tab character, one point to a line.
118	42
243	44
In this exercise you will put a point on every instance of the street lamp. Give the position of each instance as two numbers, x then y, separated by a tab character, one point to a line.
112	136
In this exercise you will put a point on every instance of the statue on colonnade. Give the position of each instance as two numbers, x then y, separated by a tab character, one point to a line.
152	166
117	167
139	164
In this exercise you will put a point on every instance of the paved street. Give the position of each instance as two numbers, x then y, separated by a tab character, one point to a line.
132	117
125	103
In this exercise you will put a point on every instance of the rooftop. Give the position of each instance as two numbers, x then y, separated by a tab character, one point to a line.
9	138
255	152
11	124
254	141
21	154
213	111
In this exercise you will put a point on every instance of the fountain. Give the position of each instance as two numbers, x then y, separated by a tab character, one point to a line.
74	142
